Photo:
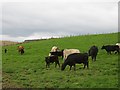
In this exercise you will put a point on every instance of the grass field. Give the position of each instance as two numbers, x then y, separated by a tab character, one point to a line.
29	71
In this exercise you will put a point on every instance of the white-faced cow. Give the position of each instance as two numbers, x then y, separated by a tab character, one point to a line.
54	49
21	49
118	45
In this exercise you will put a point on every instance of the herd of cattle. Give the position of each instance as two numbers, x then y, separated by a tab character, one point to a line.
72	57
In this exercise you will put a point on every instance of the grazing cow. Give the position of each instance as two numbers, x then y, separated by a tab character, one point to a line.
93	52
21	49
52	59
54	49
74	58
111	48
67	52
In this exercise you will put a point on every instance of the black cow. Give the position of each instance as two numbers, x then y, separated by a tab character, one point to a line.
111	48
52	59
72	59
93	52
5	50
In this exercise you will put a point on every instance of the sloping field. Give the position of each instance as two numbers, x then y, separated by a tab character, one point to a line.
29	71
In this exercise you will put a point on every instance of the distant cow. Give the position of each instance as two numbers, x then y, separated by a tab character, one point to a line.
21	49
5	50
93	52
111	48
67	52
52	59
54	49
75	58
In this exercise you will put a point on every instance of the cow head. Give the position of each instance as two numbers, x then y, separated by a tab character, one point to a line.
103	47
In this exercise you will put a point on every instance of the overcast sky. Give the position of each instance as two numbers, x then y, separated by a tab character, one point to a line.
55	18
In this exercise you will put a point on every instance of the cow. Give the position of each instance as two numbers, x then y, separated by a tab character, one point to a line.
75	58
111	48
5	50
52	59
118	45
93	52
54	49
21	49
67	52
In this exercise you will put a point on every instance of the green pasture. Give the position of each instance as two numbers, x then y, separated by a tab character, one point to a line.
29	71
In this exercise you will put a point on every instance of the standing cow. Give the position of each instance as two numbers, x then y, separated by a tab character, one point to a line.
93	52
52	59
111	48
67	52
5	50
21	49
76	58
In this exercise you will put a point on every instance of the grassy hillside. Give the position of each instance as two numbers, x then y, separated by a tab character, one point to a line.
29	71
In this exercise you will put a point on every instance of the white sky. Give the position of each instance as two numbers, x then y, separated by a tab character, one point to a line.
33	19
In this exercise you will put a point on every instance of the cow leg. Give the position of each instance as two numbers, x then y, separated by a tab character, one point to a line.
87	65
70	67
92	58
118	51
55	64
46	65
95	58
59	64
110	52
21	52
74	67
84	66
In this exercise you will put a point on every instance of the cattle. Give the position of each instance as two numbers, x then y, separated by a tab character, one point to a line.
118	45
111	48
93	52
5	50
67	52
75	58
54	49
52	59
21	49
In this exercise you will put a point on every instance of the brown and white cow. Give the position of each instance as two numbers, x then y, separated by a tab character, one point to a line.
21	49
